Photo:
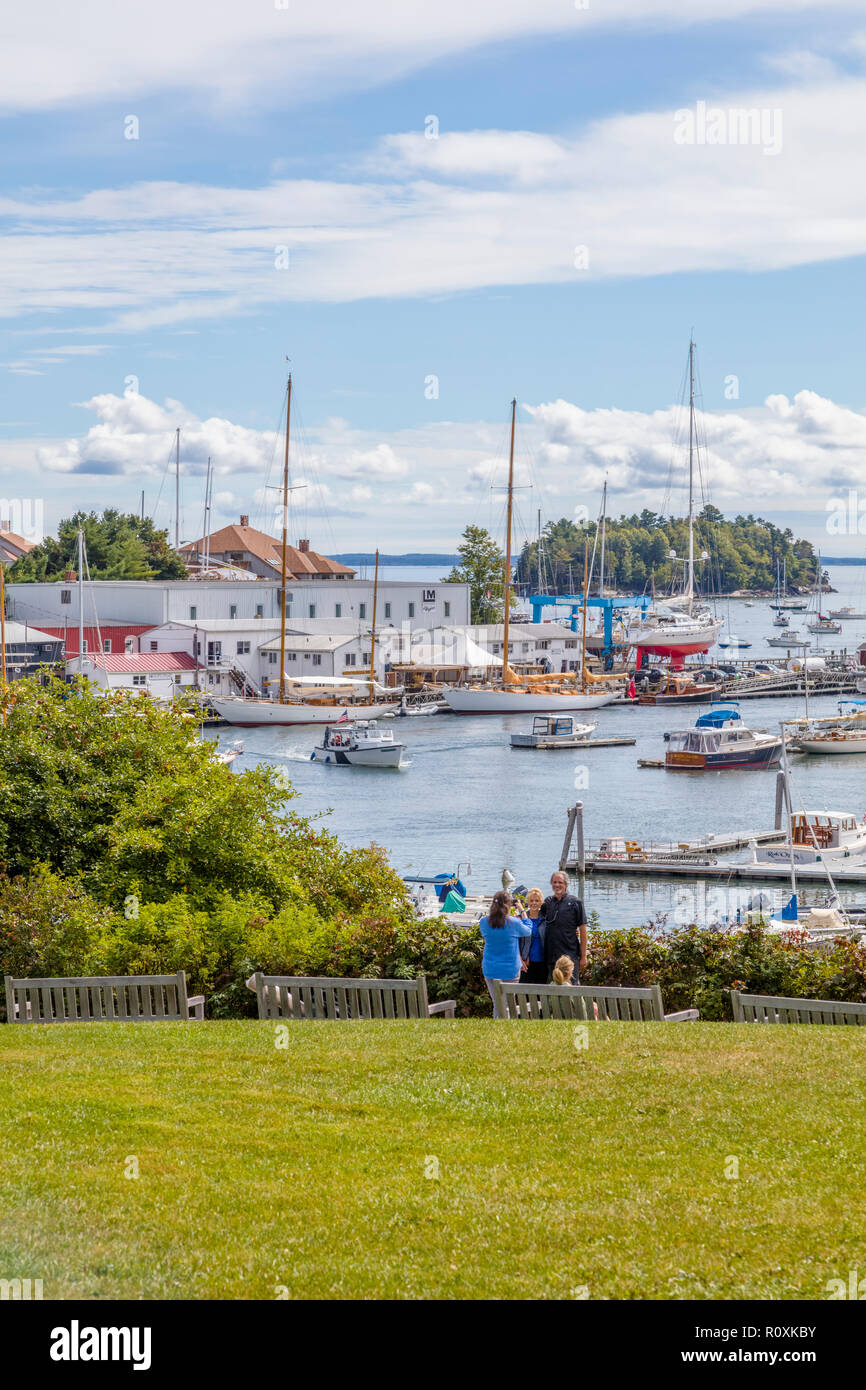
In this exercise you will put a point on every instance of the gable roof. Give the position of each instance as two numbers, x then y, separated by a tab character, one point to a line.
13	545
231	540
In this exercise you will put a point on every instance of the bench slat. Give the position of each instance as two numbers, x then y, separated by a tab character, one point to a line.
96	999
768	1008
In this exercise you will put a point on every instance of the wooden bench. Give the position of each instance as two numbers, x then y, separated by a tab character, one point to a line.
586	1002
768	1008
102	998
318	997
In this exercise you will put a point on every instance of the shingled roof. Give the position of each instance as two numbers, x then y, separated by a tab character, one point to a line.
301	562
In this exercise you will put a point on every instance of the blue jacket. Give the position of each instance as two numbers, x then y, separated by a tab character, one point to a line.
501	959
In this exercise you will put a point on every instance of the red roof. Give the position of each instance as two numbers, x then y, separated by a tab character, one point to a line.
153	662
116	634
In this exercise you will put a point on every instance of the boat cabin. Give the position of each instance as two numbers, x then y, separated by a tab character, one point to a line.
552	725
823	829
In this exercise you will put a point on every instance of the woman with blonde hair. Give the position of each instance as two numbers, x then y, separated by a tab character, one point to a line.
501	933
533	967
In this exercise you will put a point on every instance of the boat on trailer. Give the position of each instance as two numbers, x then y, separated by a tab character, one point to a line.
720	740
554	732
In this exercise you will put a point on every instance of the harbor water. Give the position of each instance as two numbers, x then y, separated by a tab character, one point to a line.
466	796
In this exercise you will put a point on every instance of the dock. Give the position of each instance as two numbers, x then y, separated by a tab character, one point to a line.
753	871
579	743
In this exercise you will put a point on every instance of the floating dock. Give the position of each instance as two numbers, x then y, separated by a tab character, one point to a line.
725	869
578	743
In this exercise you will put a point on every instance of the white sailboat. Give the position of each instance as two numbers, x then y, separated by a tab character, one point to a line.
681	627
529	694
329	700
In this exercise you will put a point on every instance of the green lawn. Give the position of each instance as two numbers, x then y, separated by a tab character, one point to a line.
559	1169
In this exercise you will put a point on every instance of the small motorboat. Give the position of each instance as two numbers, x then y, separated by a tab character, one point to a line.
550	731
362	744
789	639
847	612
832	836
227	755
720	740
678	690
733	642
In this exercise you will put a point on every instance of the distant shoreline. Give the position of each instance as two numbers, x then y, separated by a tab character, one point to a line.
415	558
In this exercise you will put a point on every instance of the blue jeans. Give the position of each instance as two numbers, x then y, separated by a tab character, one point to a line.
490	983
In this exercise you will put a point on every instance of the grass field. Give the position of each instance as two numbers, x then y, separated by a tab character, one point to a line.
310	1168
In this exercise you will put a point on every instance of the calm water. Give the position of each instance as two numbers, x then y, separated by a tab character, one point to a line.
466	795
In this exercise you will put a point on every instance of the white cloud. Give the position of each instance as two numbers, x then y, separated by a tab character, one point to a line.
230	54
473	209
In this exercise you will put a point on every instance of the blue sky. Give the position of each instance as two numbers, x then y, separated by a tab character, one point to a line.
409	258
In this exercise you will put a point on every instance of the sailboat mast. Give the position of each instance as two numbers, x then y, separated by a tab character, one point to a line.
284	555
691	583
177	489
603	525
506	585
373	633
583	638
80	600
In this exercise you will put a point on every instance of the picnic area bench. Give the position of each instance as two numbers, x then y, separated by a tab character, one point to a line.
102	998
768	1008
586	1002
318	997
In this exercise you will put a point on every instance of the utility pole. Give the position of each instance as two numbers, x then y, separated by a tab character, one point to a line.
177	489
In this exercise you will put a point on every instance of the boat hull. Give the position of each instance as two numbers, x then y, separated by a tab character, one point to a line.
359	757
468	701
713	762
832	746
249	714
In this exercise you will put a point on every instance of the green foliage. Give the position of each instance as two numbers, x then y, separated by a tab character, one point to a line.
482	567
118	547
743	553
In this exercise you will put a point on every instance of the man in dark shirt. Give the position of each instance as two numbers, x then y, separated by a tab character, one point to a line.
565	926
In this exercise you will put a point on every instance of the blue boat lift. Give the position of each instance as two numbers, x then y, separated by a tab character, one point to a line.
609	607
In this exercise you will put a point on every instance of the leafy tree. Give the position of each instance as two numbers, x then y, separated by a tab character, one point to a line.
119	546
482	566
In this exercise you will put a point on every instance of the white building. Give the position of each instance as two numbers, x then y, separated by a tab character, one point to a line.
478	647
156	602
160	674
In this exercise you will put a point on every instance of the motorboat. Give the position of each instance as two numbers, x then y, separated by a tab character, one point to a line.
554	732
362	744
789	639
720	740
678	690
733	642
830	837
846	612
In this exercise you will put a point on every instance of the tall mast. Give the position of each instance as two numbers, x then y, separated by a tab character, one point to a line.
2	643
177	489
285	547
507	575
690	590
80	599
538	556
373	633
603	522
583	638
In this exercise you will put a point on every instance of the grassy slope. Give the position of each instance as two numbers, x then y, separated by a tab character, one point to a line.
305	1167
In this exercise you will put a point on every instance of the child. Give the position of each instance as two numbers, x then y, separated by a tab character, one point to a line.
563	971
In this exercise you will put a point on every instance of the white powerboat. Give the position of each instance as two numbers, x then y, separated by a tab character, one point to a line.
550	731
362	744
789	639
830	837
846	612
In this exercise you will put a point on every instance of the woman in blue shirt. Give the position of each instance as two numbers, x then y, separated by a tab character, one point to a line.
532	952
501	934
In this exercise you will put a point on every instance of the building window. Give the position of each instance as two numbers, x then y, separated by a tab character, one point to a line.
411	610
338	610
243	648
365	658
351	659
362	610
154	647
139	680
106	644
272	658
312	610
317	661
260	611
65	595
387	610
233	610
447	610
84	646
291	656
193	612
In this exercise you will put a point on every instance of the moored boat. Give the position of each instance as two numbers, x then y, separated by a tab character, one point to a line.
822	836
679	690
720	740
553	732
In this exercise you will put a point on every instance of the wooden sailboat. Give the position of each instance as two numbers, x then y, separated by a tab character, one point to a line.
529	694
306	700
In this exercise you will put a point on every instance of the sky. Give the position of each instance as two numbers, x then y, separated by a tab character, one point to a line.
431	209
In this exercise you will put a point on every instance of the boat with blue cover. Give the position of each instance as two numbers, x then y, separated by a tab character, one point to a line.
721	740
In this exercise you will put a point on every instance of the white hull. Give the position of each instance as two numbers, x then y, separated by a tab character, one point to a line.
470	701
836	746
250	713
360	757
